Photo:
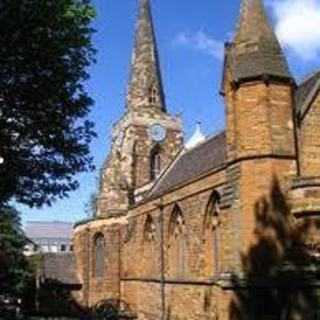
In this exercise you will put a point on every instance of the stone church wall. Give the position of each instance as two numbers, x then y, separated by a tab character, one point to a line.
309	137
189	283
105	286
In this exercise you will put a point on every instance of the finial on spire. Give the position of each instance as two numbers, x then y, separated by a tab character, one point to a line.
145	86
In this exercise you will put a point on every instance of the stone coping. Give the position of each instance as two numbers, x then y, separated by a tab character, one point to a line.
281	276
98	222
305	182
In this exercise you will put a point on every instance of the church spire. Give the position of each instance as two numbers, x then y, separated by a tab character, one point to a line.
256	51
145	86
254	23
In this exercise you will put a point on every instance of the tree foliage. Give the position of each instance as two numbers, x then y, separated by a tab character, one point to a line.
13	265
45	49
92	206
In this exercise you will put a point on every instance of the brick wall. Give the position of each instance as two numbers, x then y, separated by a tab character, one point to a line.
189	285
309	141
189	282
259	120
98	288
263	182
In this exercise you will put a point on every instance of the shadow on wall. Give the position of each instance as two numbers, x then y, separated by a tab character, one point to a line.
55	300
281	270
113	309
52	299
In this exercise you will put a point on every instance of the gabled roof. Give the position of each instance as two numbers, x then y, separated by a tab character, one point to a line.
306	92
54	229
60	268
192	164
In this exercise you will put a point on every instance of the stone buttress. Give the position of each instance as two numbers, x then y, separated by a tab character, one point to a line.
258	90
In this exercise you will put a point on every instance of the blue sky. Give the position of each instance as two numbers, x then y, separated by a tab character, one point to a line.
190	38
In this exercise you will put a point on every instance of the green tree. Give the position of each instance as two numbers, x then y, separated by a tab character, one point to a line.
45	50
13	265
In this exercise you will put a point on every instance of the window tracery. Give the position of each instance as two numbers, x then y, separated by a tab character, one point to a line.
149	230
153	95
177	243
99	255
212	222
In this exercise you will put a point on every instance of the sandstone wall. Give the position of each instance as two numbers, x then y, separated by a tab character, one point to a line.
309	141
98	288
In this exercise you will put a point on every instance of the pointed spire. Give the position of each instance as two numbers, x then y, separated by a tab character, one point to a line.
256	51
145	85
254	23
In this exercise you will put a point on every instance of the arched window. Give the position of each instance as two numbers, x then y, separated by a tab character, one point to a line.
134	169
177	243
155	162
153	95
211	234
150	249
149	230
99	255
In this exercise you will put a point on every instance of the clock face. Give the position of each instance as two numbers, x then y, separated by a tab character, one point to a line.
158	132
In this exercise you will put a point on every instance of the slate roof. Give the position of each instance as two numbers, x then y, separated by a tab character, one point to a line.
263	62
305	89
54	229
193	163
59	267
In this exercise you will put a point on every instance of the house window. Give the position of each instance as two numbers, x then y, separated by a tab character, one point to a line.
155	163
211	234
177	243
45	248
99	256
63	248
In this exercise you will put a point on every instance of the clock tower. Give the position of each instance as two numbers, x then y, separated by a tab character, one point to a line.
147	138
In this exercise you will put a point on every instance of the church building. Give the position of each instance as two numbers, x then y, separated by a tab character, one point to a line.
224	227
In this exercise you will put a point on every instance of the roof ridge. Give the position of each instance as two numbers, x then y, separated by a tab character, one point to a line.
179	154
309	77
199	161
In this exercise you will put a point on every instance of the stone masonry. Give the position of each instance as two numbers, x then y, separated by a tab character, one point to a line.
227	229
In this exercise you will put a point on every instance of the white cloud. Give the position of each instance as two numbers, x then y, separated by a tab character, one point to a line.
298	26
202	42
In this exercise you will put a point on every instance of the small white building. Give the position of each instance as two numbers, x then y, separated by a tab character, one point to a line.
48	237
